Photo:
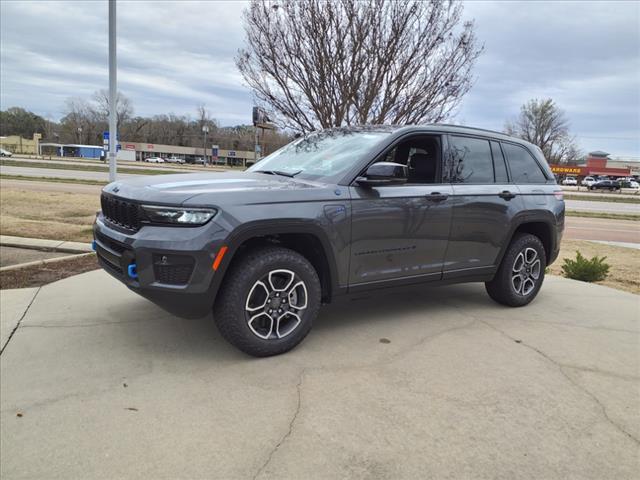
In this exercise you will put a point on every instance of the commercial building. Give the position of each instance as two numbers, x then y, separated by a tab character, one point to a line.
139	151
17	144
598	164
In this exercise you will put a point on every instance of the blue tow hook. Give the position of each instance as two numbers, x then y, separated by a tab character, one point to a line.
94	246
132	270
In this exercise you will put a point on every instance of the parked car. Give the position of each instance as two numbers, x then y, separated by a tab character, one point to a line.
154	160
5	153
335	212
588	181
605	185
570	181
629	183
174	160
199	161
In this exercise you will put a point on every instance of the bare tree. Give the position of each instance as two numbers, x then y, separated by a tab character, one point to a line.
326	63
124	107
544	124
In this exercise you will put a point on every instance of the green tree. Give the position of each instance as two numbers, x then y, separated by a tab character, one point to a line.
18	121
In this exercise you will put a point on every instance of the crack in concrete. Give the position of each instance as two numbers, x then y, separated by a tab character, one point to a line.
573	325
24	314
96	324
561	368
289	431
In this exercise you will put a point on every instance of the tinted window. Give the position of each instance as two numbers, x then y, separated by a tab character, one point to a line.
471	159
500	168
524	168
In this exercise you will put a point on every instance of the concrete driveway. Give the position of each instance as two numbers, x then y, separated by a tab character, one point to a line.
443	383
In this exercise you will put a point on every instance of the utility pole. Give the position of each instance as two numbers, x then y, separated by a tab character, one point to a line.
113	89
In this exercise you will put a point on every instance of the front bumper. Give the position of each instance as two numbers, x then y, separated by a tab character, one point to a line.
173	265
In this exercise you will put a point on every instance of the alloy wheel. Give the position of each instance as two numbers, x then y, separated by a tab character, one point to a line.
275	304
525	272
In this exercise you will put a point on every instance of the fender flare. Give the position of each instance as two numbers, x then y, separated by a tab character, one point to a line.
537	216
260	228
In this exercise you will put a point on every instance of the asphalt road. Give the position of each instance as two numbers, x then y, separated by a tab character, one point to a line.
60	173
582	228
607	207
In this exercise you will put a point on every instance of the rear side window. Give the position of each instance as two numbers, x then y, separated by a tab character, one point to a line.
471	158
499	167
524	168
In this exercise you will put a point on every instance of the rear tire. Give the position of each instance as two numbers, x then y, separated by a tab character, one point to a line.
521	273
268	301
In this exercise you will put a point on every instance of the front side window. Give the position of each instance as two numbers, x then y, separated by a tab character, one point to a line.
324	155
471	160
524	168
421	155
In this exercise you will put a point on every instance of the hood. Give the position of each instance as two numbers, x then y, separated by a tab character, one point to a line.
219	187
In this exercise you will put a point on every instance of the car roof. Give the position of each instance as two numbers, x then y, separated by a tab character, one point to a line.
399	130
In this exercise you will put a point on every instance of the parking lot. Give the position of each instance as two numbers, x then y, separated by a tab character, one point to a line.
99	383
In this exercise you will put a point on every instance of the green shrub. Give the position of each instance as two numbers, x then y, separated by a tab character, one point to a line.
585	270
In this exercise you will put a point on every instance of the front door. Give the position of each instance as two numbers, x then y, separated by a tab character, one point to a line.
401	231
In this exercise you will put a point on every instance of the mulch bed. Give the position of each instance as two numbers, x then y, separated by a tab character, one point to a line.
38	275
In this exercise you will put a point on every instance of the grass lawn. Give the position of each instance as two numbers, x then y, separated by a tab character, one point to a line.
53	215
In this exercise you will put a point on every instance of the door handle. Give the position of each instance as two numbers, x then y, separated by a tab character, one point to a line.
437	197
507	195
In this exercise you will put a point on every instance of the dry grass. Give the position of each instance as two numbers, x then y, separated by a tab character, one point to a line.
625	263
53	215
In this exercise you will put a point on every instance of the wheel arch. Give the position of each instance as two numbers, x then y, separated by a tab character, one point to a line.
305	238
542	226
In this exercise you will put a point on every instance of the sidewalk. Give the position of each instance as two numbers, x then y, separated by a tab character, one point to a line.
44	244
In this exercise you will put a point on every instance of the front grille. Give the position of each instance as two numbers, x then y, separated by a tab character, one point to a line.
120	212
112	244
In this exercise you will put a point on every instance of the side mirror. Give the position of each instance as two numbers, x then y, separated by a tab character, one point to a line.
384	173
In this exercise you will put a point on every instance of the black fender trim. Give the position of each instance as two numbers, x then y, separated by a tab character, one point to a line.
535	216
260	228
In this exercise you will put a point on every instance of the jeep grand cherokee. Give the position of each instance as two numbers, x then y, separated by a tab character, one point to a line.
335	212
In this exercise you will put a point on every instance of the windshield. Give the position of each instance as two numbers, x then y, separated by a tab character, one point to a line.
320	156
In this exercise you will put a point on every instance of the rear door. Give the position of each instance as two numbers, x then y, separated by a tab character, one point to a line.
484	203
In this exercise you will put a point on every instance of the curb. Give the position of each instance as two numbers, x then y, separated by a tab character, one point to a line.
43	262
45	245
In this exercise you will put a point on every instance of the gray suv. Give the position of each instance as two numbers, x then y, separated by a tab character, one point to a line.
332	213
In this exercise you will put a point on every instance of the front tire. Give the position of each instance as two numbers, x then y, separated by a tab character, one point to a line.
521	272
268	301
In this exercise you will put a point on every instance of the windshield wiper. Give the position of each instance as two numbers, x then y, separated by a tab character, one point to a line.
279	172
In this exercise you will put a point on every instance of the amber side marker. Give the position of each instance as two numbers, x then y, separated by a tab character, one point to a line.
218	259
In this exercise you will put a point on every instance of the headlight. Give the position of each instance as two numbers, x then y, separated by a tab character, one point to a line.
177	215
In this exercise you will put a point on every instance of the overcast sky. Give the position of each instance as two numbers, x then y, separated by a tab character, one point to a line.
173	56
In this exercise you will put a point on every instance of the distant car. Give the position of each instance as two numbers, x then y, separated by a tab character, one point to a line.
198	161
605	185
570	181
174	160
629	183
5	153
588	181
155	160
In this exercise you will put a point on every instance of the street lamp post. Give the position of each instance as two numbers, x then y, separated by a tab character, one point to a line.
205	130
79	134
113	86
